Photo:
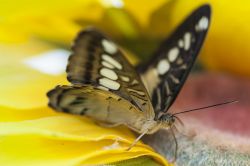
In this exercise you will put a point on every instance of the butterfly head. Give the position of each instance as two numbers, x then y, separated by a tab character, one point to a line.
167	120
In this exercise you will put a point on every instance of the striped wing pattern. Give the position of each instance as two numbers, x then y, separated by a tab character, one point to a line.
97	62
102	106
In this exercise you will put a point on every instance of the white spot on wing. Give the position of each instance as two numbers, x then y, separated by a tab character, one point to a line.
108	65
108	73
112	61
109	46
172	54
187	40
125	78
134	82
163	66
181	43
110	84
202	24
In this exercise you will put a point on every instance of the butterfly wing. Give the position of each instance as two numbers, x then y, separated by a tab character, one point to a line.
103	106
165	74
107	81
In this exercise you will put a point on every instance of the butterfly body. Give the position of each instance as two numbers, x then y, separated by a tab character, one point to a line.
108	89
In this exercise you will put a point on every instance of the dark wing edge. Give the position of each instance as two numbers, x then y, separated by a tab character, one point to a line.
164	91
80	61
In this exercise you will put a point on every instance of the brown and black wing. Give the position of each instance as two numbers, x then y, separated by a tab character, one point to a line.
102	106
165	74
98	62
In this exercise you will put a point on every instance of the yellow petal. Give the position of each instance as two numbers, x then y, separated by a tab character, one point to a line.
31	149
116	155
8	114
61	139
21	85
119	23
142	10
169	16
21	20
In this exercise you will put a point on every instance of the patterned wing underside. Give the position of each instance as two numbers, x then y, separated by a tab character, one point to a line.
94	103
165	74
98	62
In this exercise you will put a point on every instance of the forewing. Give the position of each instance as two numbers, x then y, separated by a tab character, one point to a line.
98	62
103	106
165	74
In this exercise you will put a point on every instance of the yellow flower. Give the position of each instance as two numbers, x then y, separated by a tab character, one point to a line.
32	133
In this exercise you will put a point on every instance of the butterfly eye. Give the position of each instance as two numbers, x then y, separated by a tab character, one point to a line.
167	118
164	117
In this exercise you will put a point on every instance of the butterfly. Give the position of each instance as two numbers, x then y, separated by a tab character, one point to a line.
107	88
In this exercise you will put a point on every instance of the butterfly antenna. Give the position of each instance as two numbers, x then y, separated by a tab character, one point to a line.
137	139
215	105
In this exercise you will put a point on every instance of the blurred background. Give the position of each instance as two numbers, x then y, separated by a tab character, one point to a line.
35	40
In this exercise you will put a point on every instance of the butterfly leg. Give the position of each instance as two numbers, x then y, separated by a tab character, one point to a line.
182	131
176	145
136	140
179	120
